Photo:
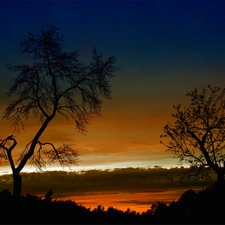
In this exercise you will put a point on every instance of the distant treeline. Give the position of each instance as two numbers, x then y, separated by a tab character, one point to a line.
202	207
121	179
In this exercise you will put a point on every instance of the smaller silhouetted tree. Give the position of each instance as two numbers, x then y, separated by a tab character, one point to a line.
197	133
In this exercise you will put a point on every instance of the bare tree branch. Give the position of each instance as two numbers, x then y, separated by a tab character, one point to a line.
197	136
65	154
54	82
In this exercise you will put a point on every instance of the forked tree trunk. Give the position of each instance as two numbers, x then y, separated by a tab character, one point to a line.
17	184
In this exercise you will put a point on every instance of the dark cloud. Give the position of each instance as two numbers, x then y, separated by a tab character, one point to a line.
147	202
129	180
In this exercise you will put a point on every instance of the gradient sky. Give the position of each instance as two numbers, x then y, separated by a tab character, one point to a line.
164	49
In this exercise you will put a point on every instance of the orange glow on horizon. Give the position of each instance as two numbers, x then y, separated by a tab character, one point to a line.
139	202
119	135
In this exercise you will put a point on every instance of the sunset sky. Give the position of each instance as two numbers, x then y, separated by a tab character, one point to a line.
164	48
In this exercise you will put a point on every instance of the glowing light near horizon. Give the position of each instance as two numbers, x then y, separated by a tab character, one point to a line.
107	166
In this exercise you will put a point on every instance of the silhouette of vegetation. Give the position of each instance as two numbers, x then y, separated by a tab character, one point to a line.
52	82
201	207
197	135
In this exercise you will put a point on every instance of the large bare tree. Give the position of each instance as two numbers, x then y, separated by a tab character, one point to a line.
52	82
197	133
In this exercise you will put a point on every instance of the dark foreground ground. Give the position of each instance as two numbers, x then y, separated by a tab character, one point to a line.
203	207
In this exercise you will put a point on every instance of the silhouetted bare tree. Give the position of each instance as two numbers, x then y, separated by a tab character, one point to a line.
52	82
197	135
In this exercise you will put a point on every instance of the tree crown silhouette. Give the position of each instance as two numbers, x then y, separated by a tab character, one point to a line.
53	82
197	135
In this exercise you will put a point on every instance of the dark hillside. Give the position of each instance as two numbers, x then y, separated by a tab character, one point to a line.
202	207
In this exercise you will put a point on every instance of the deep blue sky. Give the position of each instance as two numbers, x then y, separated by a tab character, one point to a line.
140	32
164	49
